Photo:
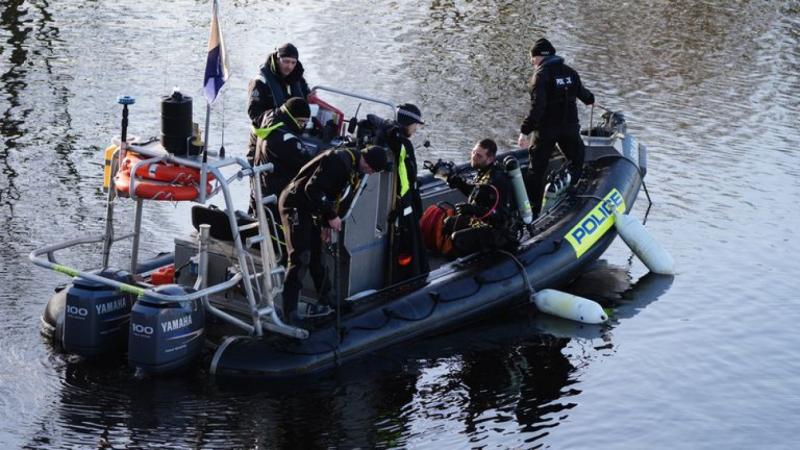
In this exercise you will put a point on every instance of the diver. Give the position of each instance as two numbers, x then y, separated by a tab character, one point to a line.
486	220
309	209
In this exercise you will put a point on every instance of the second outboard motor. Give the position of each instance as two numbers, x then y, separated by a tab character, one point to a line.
520	193
165	335
97	315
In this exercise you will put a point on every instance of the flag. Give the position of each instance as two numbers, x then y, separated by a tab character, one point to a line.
217	61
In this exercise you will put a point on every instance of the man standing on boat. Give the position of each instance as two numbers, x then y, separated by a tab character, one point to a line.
408	257
553	118
483	222
279	143
279	79
309	208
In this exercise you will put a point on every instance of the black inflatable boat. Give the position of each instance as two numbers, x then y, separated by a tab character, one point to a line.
222	283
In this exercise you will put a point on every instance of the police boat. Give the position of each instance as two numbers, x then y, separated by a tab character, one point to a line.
212	299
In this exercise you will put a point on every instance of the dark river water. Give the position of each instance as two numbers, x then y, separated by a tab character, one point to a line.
707	359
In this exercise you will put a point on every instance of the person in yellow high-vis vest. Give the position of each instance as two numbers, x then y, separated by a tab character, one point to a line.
407	256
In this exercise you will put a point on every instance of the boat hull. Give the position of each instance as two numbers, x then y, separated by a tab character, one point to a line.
571	236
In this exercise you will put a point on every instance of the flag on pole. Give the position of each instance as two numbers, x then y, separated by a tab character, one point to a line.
217	61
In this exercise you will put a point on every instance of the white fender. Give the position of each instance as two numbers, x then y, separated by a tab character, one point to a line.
569	306
643	245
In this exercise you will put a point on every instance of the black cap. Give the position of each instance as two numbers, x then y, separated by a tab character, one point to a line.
375	156
543	47
297	108
288	50
408	113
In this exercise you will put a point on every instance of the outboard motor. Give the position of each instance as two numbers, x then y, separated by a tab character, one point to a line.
165	335
97	315
520	193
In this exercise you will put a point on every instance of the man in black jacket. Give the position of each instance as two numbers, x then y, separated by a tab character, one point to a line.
279	79
279	143
484	221
553	118
407	255
309	208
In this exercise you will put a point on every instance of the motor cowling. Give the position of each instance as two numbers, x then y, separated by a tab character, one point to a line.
97	315
165	336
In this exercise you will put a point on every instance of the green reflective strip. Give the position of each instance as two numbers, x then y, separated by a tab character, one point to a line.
65	270
401	171
264	133
137	291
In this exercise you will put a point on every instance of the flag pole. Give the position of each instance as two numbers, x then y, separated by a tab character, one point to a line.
204	168
215	75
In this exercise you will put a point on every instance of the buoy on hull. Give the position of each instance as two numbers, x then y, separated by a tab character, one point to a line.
568	306
643	245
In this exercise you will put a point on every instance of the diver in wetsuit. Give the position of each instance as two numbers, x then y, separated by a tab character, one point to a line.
485	220
309	211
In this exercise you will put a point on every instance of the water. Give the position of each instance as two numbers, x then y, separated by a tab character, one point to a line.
704	360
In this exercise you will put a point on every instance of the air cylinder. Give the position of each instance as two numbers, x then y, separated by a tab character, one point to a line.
520	193
176	123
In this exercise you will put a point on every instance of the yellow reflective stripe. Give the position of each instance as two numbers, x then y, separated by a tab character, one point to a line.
401	171
264	133
595	224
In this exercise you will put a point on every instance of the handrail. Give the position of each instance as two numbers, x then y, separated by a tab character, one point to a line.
35	257
354	95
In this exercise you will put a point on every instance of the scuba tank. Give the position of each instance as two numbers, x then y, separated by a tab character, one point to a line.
558	183
520	193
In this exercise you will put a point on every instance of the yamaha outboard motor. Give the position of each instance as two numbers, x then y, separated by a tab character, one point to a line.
97	315
165	335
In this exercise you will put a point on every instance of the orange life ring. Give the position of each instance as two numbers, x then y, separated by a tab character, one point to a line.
170	173
157	190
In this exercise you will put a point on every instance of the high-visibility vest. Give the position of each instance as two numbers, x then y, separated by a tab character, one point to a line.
402	174
264	133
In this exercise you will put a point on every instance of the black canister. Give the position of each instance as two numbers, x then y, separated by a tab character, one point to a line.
176	123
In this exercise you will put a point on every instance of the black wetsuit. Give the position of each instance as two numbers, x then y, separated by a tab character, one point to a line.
306	205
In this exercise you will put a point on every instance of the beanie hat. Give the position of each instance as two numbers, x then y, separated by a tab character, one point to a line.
375	156
408	114
288	50
297	108
543	47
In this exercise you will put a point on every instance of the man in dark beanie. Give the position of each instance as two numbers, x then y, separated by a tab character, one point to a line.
553	118
278	143
407	257
279	79
311	206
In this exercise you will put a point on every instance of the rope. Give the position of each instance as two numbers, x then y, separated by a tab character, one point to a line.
522	270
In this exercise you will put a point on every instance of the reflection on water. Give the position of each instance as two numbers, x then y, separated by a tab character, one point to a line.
510	371
711	88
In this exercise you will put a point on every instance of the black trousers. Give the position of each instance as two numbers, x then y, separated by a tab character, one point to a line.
304	245
540	151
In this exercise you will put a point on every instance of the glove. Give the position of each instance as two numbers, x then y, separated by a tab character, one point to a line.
467	209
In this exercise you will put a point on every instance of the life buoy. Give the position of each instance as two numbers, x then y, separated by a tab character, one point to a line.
157	190
170	173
